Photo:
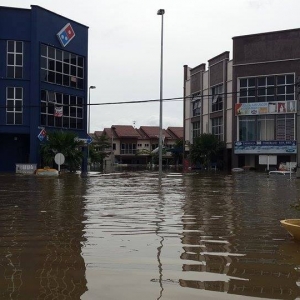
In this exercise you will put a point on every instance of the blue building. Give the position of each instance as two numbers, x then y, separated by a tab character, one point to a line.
43	81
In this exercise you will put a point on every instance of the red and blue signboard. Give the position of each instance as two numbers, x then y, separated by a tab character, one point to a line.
41	136
66	35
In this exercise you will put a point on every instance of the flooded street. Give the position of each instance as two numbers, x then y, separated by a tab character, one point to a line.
126	236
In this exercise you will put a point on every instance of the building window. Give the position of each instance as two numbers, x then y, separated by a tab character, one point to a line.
266	128
247	90
217	127
196	129
140	145
285	127
247	128
146	145
267	88
285	87
196	105
61	110
62	67
14	106
128	148
14	65
217	98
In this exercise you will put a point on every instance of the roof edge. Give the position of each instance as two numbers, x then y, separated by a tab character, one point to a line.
50	11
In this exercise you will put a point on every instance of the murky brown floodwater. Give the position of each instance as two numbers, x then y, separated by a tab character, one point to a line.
202	236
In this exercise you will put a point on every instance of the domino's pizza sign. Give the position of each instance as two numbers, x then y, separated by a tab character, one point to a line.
66	35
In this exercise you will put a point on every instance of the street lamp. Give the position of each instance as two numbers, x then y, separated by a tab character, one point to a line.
89	120
161	13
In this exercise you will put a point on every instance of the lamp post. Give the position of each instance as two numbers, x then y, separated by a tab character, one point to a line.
112	149
161	13
89	120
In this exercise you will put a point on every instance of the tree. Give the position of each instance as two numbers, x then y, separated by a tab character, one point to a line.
205	148
98	149
177	152
64	142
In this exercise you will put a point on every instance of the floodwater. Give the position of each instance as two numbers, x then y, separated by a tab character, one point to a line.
131	236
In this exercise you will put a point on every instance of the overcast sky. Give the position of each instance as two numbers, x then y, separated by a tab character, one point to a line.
124	47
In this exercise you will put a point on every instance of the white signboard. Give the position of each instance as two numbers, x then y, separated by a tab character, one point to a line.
268	160
59	159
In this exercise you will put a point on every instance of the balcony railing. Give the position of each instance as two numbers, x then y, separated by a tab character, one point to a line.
128	151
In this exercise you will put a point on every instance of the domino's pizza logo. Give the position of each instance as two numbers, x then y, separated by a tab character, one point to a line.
66	35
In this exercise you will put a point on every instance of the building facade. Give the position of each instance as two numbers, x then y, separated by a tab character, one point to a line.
265	71
208	102
131	145
256	115
43	81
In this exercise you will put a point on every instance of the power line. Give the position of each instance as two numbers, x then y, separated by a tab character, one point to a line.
197	94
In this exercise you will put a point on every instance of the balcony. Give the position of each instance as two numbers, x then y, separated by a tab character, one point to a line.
128	151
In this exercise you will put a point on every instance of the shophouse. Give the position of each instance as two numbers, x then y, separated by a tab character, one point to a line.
249	102
208	102
265	70
43	81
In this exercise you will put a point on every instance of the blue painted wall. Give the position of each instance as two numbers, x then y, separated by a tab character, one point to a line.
33	27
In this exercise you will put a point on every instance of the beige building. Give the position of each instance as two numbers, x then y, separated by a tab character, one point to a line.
136	146
208	101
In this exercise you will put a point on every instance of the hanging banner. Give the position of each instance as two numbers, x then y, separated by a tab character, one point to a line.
58	112
263	108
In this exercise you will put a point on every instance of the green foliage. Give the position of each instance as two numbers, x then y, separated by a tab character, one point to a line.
98	149
205	148
177	152
64	142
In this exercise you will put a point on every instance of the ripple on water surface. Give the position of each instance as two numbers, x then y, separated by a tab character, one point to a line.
131	236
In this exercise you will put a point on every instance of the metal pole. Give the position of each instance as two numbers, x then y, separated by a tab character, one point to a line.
161	12
88	128
89	121
112	150
297	126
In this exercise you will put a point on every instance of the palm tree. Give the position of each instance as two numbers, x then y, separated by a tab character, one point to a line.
64	142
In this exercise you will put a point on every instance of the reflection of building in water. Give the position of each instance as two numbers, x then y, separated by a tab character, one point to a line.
41	239
225	247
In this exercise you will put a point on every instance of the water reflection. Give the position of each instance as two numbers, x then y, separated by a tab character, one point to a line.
129	236
41	234
239	248
159	224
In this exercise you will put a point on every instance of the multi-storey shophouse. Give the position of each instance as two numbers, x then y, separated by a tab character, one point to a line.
208	101
250	102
